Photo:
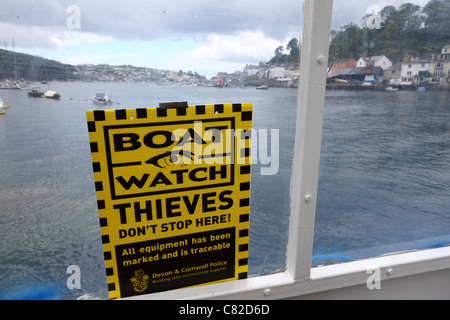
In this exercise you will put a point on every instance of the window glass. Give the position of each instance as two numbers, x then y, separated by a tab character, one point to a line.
138	53
384	182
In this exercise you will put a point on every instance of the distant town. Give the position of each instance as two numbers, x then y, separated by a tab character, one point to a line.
425	72
431	71
428	71
129	73
282	75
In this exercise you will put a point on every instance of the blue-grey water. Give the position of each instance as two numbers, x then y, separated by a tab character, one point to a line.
384	181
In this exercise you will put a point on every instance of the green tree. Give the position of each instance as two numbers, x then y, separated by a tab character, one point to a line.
347	43
294	50
402	32
437	24
279	54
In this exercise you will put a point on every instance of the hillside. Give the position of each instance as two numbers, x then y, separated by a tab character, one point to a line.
32	68
409	29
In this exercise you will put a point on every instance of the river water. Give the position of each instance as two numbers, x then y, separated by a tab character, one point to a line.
384	181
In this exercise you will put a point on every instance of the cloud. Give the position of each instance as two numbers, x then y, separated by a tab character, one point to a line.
72	38
26	13
244	47
113	59
47	37
225	53
148	20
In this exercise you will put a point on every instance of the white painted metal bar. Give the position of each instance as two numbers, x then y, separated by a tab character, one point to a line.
407	267
311	100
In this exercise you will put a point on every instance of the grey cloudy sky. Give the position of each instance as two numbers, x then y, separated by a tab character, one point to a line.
147	20
224	34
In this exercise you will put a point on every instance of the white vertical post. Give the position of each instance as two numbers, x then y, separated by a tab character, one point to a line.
310	105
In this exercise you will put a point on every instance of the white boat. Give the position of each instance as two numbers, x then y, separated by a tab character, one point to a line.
262	87
8	84
102	99
391	89
50	94
13	84
2	105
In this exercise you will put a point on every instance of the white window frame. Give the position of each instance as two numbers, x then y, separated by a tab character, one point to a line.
299	279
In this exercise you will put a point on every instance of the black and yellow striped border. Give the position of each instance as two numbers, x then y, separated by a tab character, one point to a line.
97	119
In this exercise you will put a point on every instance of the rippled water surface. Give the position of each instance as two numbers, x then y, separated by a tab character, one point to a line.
384	180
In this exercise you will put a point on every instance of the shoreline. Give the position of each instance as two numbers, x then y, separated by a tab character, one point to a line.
292	84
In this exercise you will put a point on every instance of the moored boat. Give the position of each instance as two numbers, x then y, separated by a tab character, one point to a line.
35	92
8	84
391	89
102	99
50	94
2	106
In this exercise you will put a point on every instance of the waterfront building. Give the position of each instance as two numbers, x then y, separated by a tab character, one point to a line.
343	63
376	61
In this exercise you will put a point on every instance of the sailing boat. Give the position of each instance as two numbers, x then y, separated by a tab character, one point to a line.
13	82
8	84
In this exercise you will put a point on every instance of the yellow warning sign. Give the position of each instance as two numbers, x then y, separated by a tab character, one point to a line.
173	195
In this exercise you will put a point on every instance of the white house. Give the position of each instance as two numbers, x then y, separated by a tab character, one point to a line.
416	68
376	61
446	49
294	73
251	70
276	72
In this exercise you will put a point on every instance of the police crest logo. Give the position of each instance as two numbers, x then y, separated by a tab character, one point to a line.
173	195
140	281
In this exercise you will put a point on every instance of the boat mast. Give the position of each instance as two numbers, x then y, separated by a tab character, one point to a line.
46	75
14	60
